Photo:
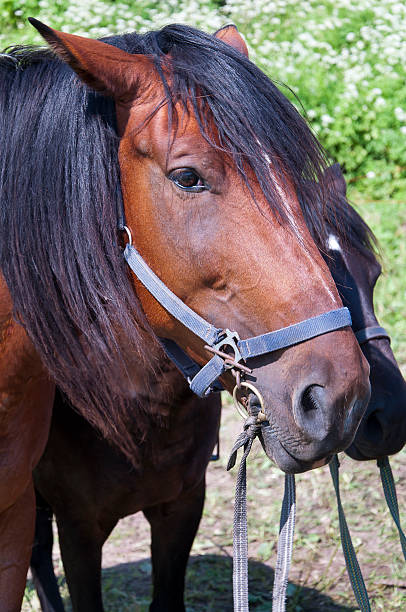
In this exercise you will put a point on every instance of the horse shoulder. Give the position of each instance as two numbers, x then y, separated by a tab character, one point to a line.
26	396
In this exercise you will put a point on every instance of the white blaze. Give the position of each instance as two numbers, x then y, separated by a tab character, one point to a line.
333	244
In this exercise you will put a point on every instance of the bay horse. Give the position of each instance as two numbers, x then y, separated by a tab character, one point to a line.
89	485
208	156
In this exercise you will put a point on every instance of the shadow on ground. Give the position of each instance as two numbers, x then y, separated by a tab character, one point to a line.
127	586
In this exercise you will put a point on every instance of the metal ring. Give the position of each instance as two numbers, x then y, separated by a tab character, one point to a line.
128	232
240	408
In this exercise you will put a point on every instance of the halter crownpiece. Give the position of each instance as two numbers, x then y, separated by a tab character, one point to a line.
203	380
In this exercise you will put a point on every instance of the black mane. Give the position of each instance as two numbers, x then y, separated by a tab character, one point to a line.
59	179
336	215
59	248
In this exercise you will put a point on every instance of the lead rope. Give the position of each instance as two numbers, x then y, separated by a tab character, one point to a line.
353	568
240	533
389	490
285	545
252	427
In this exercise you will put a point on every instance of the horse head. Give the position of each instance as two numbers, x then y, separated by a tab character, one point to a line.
209	192
355	270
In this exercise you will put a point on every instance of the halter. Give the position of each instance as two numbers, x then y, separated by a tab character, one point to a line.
228	349
228	352
371	333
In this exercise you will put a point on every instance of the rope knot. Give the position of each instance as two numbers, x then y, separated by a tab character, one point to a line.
252	427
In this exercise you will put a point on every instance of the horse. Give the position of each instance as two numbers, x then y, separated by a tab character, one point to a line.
180	134
78	464
356	269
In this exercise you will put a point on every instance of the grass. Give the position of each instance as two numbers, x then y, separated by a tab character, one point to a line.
318	577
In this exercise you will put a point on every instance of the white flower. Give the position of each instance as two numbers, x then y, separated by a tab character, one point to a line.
380	102
371	174
326	120
400	114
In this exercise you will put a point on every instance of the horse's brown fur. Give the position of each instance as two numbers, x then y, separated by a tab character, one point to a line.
239	253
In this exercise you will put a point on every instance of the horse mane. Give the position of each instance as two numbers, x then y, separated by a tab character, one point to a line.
60	253
59	183
336	215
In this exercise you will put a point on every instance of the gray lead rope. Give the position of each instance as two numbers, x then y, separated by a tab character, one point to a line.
353	568
285	545
240	533
252	428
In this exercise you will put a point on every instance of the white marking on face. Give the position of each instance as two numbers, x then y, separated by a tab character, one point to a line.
333	244
288	208
282	194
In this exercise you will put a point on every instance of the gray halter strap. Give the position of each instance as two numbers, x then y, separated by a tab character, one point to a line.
371	333
203	379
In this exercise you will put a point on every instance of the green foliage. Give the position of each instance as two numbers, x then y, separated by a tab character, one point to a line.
343	58
345	61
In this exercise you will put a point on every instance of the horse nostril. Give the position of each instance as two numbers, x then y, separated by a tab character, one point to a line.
310	400
309	412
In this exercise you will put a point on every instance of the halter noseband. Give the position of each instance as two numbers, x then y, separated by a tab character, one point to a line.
371	333
203	380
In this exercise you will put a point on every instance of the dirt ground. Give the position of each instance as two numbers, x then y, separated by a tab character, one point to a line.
318	579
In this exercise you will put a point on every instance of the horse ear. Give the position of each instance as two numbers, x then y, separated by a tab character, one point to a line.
105	68
230	35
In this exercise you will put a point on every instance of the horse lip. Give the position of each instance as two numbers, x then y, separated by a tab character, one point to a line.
290	464
305	466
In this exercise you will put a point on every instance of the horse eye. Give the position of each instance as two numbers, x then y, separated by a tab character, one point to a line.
188	180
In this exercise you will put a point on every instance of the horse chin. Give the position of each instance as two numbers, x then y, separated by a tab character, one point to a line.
358	453
287	462
355	453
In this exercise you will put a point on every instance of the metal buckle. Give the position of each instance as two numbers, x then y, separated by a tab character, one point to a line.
231	339
231	362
